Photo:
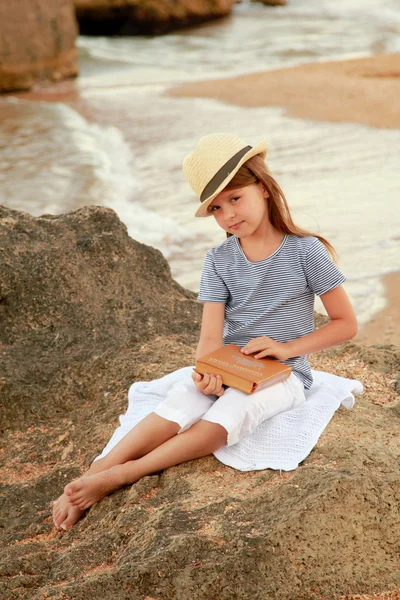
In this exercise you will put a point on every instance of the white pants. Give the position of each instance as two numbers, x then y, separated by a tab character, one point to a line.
239	413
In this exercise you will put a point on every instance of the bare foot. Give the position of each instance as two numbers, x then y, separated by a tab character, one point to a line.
89	489
65	515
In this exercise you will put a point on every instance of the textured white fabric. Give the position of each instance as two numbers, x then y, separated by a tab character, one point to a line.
239	413
281	442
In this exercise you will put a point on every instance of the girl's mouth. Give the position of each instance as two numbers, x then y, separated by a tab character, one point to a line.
236	225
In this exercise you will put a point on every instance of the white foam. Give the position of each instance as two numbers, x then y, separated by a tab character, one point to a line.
116	187
73	163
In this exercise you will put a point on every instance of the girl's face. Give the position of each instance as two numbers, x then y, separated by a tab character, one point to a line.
242	212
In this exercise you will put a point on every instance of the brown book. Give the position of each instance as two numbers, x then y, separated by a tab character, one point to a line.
242	371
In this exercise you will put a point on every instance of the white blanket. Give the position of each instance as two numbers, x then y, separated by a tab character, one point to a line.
281	442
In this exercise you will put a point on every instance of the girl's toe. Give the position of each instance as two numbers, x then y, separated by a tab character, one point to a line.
67	524
58	518
69	489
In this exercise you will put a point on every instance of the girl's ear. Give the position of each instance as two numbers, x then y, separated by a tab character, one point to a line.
265	192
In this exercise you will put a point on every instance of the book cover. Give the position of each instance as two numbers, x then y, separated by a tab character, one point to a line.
242	371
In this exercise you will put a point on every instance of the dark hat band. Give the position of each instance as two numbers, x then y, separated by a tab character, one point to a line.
223	173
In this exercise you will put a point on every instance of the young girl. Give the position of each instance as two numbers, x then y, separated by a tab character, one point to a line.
258	289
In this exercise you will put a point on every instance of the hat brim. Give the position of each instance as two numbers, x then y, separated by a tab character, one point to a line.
260	148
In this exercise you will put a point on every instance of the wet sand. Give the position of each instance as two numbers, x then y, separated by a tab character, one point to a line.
384	327
365	90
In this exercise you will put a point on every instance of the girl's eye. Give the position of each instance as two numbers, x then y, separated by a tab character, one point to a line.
213	208
235	199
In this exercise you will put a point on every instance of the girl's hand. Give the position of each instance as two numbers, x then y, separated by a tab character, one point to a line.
265	346
208	384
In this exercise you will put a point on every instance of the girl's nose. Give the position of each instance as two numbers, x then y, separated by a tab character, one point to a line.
229	211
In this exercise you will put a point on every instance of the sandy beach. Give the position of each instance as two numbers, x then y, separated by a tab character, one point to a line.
384	328
364	90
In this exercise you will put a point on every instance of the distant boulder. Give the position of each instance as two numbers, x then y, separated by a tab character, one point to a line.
272	2
37	42
148	17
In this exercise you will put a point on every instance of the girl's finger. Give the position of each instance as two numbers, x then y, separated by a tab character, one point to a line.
218	385
254	347
263	354
206	380
212	386
251	349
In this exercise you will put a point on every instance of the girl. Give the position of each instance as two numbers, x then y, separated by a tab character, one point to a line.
258	290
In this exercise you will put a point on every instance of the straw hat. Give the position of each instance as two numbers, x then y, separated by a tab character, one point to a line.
214	162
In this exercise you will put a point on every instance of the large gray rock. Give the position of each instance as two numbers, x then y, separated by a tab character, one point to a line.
75	288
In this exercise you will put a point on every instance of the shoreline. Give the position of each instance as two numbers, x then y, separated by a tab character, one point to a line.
361	90
384	326
364	90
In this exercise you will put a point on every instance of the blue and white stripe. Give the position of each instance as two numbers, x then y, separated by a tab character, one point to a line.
272	297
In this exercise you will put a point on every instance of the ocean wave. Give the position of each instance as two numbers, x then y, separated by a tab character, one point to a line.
56	161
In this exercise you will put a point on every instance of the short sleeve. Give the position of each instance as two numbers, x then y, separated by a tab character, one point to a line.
212	286
321	272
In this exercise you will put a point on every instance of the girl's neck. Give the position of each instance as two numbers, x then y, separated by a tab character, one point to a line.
260	247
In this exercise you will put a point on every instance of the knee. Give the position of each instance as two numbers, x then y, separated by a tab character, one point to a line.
214	432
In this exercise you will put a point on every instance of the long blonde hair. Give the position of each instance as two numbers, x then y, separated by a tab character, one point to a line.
255	170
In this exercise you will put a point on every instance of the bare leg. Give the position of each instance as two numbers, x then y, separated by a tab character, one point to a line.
148	434
201	439
144	437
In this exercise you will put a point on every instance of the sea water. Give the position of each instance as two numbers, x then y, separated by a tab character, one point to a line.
120	143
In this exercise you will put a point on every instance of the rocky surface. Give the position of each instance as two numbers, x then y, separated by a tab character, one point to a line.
75	289
37	42
135	17
84	312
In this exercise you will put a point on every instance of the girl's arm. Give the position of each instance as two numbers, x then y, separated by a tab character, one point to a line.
342	327
212	327
211	338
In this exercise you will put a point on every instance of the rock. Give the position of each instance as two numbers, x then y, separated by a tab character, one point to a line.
75	289
320	320
37	42
137	17
381	357
272	2
84	312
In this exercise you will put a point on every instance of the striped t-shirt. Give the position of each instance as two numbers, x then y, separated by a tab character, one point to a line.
272	297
